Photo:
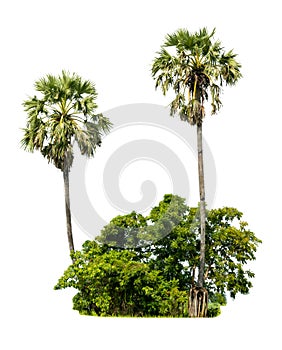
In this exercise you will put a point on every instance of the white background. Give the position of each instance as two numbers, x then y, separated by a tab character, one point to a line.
113	43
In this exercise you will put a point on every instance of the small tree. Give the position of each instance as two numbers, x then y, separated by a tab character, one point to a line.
195	72
63	113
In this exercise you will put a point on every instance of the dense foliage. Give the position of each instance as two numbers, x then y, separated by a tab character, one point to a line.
153	277
112	282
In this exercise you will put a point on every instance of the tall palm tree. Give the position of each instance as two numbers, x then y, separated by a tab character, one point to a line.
196	72
63	113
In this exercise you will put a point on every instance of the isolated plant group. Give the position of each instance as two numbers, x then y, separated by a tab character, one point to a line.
179	261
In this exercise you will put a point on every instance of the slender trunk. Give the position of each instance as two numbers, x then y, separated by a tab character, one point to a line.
202	205
68	212
198	298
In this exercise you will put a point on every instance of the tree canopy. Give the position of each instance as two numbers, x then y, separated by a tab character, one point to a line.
195	67
64	111
154	277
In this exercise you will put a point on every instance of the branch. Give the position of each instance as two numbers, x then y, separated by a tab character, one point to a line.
207	271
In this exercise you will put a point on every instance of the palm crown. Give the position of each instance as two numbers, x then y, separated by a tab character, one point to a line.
195	72
65	112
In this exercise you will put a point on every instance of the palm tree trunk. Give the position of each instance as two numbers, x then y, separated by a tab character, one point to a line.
202	205
198	299
67	205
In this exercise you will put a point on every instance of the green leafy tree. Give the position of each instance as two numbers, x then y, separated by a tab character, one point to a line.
154	278
196	72
63	112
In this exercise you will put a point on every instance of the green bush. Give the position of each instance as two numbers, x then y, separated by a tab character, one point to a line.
114	283
214	309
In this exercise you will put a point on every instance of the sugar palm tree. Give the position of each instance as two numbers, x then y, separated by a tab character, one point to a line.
63	113
196	72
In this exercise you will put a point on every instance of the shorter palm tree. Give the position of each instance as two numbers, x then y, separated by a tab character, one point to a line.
63	114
